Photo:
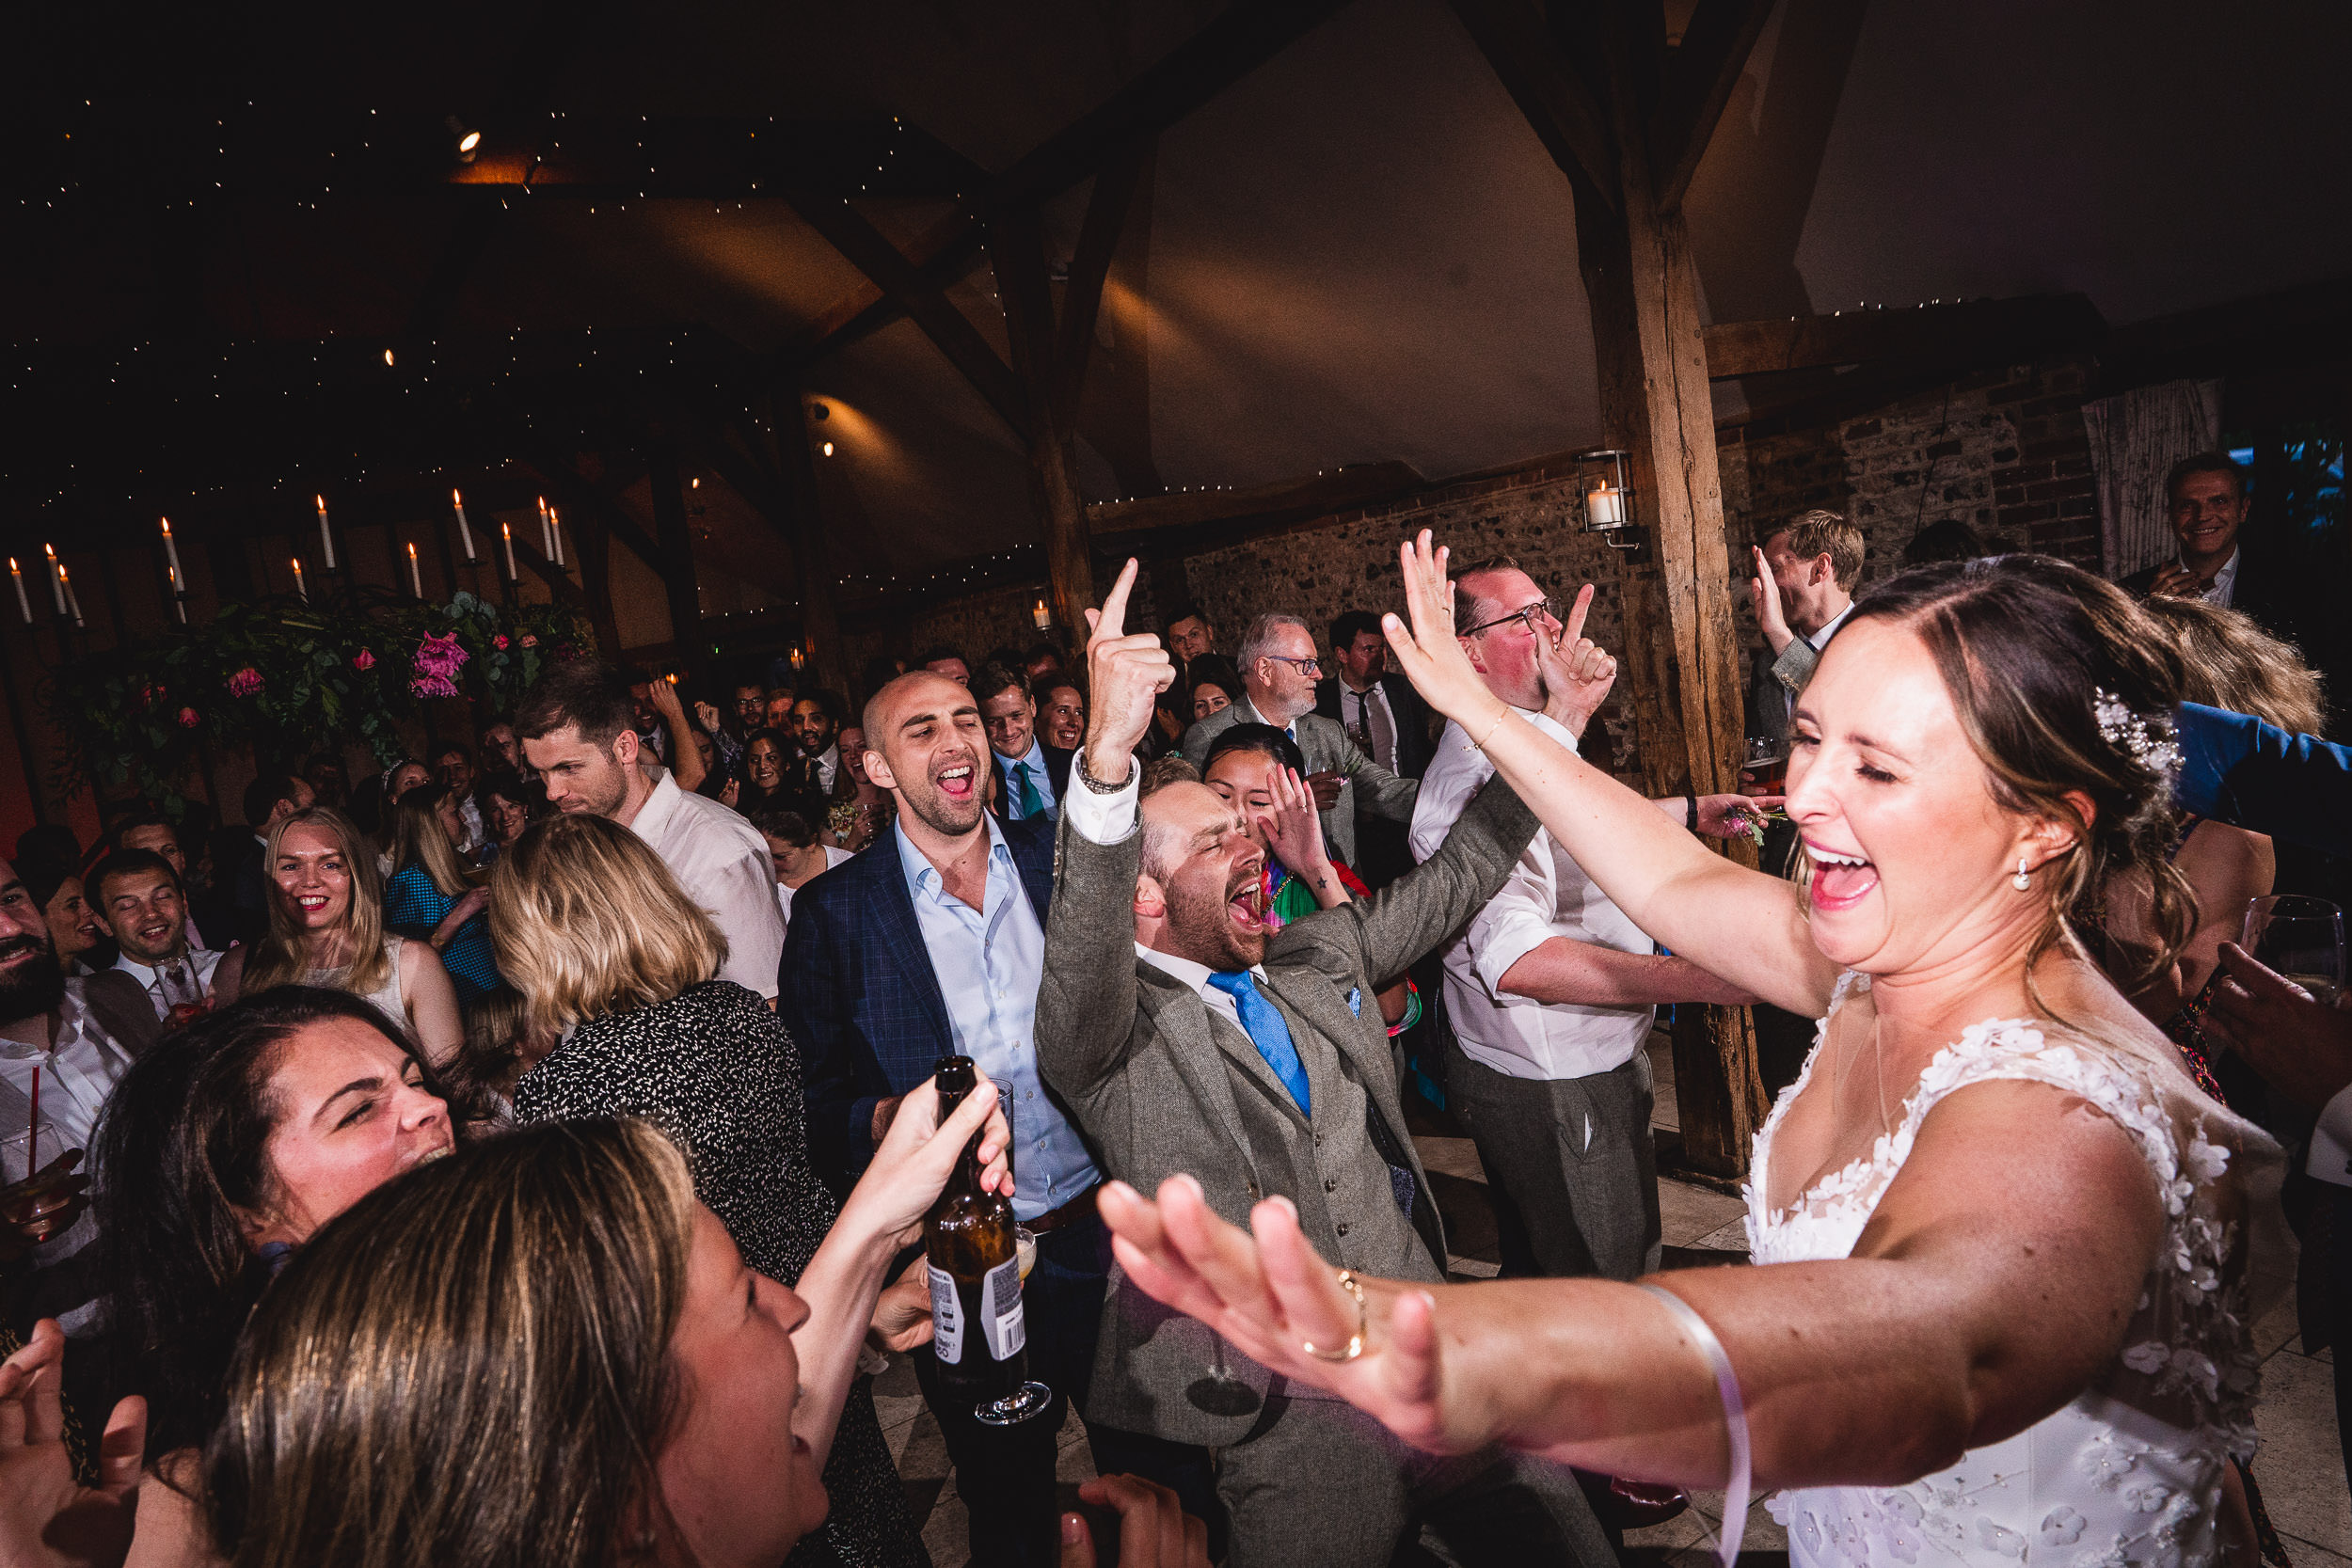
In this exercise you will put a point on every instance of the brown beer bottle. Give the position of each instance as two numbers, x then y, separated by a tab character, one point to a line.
977	1332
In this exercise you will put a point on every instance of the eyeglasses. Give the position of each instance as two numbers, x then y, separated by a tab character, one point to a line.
1526	614
1304	666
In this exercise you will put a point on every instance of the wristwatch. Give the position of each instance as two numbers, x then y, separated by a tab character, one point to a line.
1086	776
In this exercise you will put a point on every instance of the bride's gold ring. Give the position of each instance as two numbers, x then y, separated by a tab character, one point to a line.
1364	1324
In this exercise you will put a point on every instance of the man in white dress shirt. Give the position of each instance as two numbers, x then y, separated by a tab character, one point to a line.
579	728
139	897
1551	991
455	764
76	1050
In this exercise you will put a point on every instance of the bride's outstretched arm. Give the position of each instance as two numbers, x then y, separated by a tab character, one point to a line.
1738	924
1995	1278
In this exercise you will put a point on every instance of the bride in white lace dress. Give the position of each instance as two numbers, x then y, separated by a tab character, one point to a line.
1999	1313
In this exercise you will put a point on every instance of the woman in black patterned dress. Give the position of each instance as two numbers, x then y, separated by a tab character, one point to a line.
593	928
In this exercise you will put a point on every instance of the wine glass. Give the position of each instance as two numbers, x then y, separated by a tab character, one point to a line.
1767	768
2300	937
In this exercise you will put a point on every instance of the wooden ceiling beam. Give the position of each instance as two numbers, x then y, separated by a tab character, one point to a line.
1098	238
1557	104
1246	35
906	285
1979	331
1698	77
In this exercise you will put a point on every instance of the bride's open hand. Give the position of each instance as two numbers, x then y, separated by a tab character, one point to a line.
1271	1296
1426	651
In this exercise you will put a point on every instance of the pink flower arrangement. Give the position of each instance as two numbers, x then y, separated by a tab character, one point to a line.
246	682
438	662
499	643
189	718
529	640
363	660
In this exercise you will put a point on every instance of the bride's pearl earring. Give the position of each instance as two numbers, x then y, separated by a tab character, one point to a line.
2021	881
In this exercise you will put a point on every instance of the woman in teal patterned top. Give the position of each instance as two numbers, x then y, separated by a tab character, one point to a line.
431	896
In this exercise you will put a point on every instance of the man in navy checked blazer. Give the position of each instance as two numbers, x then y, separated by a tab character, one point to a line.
932	943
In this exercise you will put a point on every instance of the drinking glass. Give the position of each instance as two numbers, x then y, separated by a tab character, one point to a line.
2300	937
1767	770
28	1182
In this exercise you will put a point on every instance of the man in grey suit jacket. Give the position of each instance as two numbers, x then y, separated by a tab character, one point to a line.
1184	1039
1278	671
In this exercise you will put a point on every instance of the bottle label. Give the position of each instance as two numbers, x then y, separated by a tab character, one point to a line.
1000	1309
947	1317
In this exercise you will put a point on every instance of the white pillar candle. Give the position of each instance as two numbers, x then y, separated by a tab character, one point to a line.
464	534
555	532
24	605
327	539
298	587
171	554
57	577
179	596
416	583
72	598
506	535
547	532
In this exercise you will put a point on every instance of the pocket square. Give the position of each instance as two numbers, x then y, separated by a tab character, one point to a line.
1355	1001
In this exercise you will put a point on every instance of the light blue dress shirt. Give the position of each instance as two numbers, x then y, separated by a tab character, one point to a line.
1032	762
989	962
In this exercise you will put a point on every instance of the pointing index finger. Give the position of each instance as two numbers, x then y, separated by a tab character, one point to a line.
1576	613
1112	620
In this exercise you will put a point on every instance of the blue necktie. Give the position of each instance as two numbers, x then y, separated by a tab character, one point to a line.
1268	1032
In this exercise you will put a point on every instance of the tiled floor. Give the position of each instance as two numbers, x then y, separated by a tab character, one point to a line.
2300	1469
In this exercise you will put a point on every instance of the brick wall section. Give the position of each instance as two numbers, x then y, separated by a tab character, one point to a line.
2002	450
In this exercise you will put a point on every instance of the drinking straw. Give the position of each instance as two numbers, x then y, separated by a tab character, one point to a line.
32	1131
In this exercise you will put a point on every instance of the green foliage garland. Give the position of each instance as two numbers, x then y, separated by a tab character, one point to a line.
288	678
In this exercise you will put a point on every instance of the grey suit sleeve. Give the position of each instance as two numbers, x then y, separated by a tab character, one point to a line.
1795	665
1086	1001
1428	904
1378	790
1195	746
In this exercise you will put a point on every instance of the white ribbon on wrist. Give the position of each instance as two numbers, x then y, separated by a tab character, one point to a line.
1742	1478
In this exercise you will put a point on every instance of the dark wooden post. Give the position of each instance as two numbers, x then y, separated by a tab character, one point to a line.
787	417
1628	135
1016	248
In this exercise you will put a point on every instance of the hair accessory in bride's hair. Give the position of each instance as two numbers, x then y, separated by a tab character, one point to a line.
2152	749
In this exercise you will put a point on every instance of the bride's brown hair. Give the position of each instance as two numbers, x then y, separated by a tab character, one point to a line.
2026	645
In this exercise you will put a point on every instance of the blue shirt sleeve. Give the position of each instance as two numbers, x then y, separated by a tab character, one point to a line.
412	904
2237	770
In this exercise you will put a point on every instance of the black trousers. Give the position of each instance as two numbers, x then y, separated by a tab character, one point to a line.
1005	1475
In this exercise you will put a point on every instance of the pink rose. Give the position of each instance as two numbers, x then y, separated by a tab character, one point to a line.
246	682
189	718
529	640
499	642
363	660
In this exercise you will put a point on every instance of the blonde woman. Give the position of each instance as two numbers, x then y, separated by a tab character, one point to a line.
432	896
327	928
2228	662
592	929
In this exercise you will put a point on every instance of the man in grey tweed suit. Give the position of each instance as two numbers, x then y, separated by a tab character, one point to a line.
1184	1038
1278	671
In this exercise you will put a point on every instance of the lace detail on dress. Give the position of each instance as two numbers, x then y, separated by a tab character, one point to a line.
2127	1475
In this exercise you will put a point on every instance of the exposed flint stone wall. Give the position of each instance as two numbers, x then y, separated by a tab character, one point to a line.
2002	450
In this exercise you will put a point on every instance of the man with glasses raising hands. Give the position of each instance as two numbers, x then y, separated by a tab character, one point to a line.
1278	672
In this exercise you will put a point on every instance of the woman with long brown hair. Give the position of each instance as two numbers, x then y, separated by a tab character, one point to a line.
572	1365
432	897
2001	1303
2228	661
327	928
618	967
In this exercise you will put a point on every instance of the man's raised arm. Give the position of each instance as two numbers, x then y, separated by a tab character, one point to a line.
1086	1003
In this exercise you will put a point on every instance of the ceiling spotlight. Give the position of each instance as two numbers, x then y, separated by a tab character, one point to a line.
468	140
388	356
698	484
828	448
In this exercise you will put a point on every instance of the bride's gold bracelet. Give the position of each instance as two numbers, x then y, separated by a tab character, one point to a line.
1481	741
